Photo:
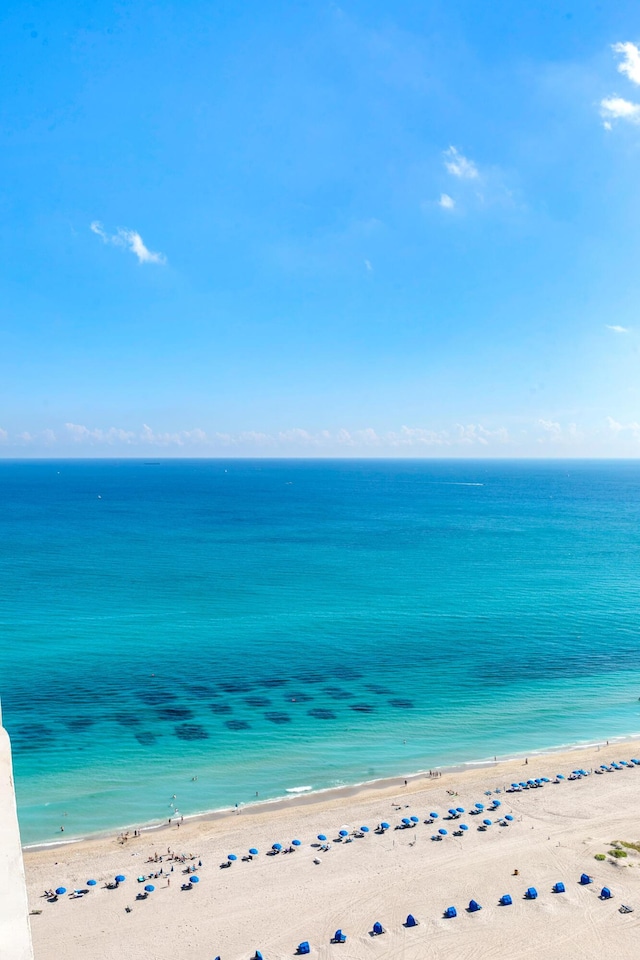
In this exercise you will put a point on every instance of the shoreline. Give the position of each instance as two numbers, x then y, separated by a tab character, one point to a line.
326	794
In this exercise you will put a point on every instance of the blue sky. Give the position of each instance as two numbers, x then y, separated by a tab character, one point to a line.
320	229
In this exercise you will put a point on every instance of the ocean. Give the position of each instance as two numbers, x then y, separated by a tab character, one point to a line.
228	631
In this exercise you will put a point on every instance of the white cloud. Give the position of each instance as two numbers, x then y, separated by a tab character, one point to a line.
616	328
130	239
616	428
447	202
631	60
617	108
368	265
459	166
3	435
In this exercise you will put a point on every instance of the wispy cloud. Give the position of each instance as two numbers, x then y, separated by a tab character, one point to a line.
130	239
369	266
617	108
630	64
446	202
618	429
459	166
616	328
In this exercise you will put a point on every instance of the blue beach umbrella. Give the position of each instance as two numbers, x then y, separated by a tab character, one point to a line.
384	825
343	833
276	846
195	880
508	816
120	878
253	852
364	829
322	837
91	883
442	832
497	803
479	806
559	776
61	890
231	856
452	811
487	823
149	888
414	819
434	816
463	826
296	843
459	809
406	821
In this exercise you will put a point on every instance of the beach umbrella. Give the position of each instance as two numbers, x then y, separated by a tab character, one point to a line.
296	843
479	806
508	816
231	856
384	825
195	880
91	883
149	888
120	878
434	816
414	819
463	826
497	803
364	829
452	811
61	890
406	821
487	823
322	837
343	833
487	793
459	809
442	832
276	846
253	852
560	777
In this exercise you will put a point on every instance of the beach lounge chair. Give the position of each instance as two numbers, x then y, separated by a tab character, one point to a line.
505	900
474	906
339	937
605	894
450	912
378	929
585	879
558	887
411	921
531	894
303	947
623	908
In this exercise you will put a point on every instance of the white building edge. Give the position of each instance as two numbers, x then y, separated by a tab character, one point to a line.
15	932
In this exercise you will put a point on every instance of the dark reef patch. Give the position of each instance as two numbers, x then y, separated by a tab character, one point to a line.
320	713
276	716
191	731
175	713
257	701
146	738
237	725
220	708
401	704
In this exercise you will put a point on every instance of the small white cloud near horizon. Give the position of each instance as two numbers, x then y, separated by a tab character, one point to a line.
617	108
459	166
368	265
446	202
130	239
617	328
630	65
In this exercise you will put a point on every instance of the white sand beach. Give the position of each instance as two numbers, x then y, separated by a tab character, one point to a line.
274	902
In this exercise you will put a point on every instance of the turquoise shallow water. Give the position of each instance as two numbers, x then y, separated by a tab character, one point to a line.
268	625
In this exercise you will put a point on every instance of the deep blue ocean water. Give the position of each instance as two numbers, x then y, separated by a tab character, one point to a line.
265	625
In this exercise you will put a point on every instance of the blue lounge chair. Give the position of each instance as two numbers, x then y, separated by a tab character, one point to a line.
339	937
558	887
531	894
585	879
377	929
257	956
450	912
605	894
411	921
474	906
303	947
505	900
